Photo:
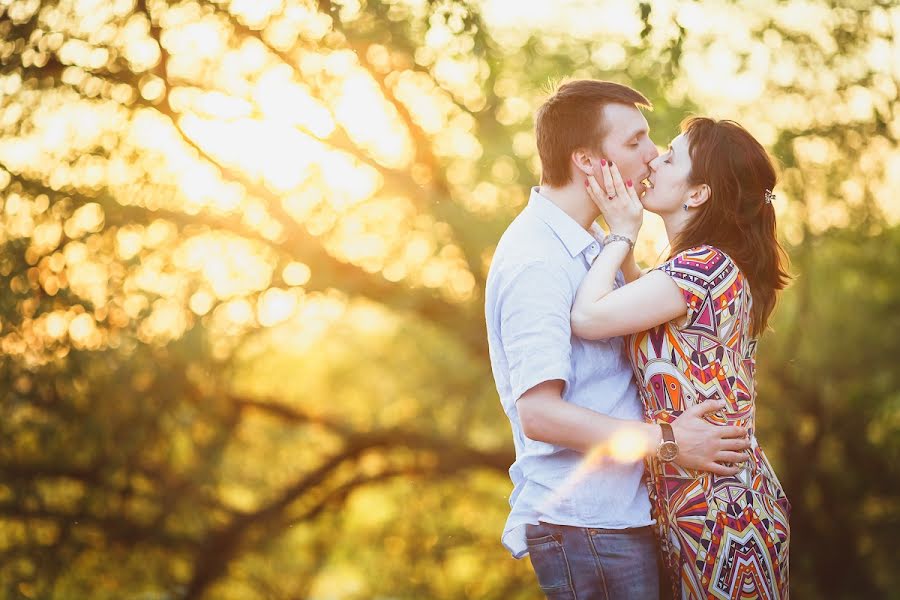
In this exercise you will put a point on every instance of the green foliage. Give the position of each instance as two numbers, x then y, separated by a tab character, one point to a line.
228	379
829	411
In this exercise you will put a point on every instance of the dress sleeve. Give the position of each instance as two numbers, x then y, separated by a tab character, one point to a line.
700	274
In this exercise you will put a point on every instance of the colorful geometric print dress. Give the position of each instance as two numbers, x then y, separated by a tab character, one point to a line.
720	537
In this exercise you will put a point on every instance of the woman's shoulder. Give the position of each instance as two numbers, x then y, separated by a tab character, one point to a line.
704	255
701	264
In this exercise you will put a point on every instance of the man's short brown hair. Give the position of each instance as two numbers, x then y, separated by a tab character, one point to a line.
570	119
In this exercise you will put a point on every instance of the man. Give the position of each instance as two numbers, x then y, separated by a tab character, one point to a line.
581	514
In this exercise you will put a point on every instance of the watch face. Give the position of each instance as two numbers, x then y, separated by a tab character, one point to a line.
668	451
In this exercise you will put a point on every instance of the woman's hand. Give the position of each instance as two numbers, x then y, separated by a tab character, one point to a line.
620	205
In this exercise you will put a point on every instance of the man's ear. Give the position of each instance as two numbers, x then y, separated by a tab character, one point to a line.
698	195
583	161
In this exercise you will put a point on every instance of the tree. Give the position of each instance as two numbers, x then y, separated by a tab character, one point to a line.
245	246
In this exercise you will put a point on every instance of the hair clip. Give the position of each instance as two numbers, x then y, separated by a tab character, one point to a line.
770	197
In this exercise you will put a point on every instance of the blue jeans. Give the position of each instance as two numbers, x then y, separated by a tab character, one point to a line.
580	563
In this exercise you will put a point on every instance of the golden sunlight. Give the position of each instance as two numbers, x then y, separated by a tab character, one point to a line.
282	100
296	273
231	267
628	445
276	305
382	136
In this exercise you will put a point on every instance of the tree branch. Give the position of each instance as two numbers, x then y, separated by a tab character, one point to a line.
436	196
330	272
222	546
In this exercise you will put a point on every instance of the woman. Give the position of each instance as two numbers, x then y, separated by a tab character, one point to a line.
693	323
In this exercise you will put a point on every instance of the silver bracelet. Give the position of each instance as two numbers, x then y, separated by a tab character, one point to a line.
615	237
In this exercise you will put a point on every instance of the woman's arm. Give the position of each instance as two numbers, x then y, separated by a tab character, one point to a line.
600	311
601	279
630	268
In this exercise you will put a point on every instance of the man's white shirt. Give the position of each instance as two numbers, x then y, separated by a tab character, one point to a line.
536	270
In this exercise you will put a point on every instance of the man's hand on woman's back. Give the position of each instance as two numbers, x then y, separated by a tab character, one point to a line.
703	446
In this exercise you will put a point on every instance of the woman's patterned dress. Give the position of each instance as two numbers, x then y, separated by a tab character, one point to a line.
720	537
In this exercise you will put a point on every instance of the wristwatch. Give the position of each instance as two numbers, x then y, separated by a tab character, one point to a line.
668	447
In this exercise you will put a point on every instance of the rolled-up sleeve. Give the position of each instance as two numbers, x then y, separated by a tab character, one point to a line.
535	330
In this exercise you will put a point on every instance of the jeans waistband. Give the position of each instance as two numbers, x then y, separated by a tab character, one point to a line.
543	528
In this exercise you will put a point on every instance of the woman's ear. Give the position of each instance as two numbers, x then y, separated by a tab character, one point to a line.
698	195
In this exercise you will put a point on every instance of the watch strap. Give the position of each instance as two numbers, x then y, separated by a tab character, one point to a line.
668	434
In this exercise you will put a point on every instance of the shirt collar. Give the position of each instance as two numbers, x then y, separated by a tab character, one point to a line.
573	236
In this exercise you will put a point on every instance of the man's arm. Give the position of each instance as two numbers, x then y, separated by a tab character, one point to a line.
546	417
535	331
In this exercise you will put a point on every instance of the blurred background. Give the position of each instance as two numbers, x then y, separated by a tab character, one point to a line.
244	245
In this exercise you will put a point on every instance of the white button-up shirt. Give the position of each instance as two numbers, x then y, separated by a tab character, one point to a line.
536	270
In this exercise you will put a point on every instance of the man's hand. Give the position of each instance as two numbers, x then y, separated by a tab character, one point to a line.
703	446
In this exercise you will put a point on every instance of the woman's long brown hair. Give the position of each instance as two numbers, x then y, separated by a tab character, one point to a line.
736	218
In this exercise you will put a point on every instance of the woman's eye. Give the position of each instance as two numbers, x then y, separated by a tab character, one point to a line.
633	145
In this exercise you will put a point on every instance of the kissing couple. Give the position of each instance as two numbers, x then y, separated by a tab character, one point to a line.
589	353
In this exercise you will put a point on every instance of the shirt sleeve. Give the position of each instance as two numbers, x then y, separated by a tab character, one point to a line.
535	328
698	272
